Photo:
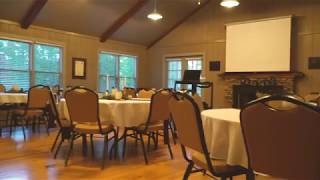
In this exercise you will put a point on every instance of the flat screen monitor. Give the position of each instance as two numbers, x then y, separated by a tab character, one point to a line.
192	75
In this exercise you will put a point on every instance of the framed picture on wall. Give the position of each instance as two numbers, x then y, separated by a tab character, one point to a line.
79	68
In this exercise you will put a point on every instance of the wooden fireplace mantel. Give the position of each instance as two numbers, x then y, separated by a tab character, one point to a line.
239	75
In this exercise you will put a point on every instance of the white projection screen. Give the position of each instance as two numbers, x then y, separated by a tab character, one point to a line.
259	46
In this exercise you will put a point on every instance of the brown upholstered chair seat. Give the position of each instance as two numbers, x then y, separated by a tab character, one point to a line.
93	128
153	126
199	160
29	113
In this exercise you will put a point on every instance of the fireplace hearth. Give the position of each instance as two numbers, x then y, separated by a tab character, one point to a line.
244	93
241	88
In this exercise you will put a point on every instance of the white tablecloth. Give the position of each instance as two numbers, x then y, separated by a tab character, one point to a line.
223	135
13	98
122	113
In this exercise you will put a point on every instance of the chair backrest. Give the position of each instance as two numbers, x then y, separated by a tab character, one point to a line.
2	88
145	94
159	109
53	110
198	101
83	106
129	92
38	97
186	116
282	143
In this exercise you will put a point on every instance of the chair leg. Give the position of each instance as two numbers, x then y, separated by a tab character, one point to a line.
157	140
23	132
124	142
169	147
84	144
149	137
172	133
11	124
188	171
115	143
136	138
92	145
55	141
70	150
223	178
250	176
105	150
58	148
143	149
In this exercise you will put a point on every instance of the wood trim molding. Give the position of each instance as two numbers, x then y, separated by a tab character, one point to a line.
123	19
241	75
32	13
178	23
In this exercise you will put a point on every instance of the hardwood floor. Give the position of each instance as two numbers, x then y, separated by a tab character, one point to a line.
33	160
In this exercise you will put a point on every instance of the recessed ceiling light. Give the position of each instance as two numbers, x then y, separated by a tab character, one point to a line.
229	3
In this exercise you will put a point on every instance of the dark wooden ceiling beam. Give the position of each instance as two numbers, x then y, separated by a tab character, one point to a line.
178	24
123	19
32	13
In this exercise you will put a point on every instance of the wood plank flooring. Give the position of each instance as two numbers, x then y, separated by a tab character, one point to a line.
32	160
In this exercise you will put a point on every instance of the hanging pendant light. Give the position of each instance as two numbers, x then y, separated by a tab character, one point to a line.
155	16
229	3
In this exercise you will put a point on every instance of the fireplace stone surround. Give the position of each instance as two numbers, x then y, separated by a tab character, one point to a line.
285	80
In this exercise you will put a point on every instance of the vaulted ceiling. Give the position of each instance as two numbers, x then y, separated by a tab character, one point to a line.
128	18
124	20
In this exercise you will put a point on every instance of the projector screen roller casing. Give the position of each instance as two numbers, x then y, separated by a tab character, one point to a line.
260	46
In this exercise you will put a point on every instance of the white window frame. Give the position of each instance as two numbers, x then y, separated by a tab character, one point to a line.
184	59
117	67
31	69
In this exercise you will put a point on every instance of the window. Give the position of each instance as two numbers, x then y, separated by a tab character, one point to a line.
47	66
174	72
15	64
177	66
19	68
116	71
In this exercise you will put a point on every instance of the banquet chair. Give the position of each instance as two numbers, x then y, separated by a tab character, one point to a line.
282	143
146	93
198	101
186	115
158	120
129	92
36	108
64	125
83	108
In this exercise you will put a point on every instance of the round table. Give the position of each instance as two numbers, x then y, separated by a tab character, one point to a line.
13	98
224	136
121	113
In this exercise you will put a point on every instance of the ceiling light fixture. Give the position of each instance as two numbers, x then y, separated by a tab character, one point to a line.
229	3
155	16
199	2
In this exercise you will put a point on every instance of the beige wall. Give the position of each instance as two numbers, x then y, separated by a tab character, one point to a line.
205	33
76	45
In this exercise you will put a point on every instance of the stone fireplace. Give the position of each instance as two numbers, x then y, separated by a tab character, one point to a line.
241	88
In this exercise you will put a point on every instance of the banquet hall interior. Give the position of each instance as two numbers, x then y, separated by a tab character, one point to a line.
159	89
